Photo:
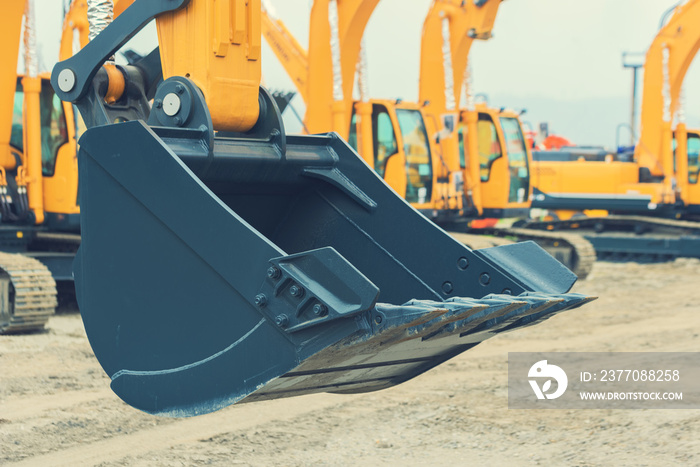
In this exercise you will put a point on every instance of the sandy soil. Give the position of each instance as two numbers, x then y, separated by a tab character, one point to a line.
56	407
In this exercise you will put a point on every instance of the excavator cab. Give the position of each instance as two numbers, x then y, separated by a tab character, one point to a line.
403	152
225	261
504	161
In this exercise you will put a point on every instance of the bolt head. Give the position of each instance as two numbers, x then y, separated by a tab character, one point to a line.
179	88
462	263
260	300
282	321
484	278
447	287
273	272
296	291
507	292
320	310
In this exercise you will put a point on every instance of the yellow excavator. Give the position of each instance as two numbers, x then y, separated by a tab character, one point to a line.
393	136
653	193
225	261
490	143
38	176
39	208
406	142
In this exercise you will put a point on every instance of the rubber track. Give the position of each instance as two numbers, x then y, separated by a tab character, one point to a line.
35	296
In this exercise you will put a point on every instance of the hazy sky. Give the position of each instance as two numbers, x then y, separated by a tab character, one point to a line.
559	58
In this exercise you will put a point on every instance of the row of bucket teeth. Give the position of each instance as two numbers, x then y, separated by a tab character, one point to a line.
467	316
409	339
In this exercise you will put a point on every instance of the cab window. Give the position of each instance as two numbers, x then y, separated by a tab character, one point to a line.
489	146
418	163
384	138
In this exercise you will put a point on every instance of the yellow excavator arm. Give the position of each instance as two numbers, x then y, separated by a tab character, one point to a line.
667	62
326	72
457	23
289	52
228	76
11	25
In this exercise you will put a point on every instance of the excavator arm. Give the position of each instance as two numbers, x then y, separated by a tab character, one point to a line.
335	36
11	23
288	51
667	62
449	29
222	265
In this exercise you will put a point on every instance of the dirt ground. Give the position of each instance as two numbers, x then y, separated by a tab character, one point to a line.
56	407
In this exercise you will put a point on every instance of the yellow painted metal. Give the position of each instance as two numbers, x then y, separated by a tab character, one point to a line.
290	53
10	28
324	113
120	6
30	174
667	62
353	16
681	38
365	145
468	22
217	45
495	191
74	22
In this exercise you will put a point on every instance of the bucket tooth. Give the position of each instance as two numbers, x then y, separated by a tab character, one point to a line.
459	311
533	306
569	301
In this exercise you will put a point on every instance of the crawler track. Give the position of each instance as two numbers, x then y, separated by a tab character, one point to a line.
27	294
636	238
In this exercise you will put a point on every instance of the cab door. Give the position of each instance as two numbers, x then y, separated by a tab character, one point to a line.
389	159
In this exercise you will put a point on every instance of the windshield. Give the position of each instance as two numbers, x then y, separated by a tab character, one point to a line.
517	160
418	163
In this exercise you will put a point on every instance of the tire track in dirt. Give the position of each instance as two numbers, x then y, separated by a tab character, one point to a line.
188	430
30	407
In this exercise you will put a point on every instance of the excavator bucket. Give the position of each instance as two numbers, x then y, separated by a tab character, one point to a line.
218	268
268	269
